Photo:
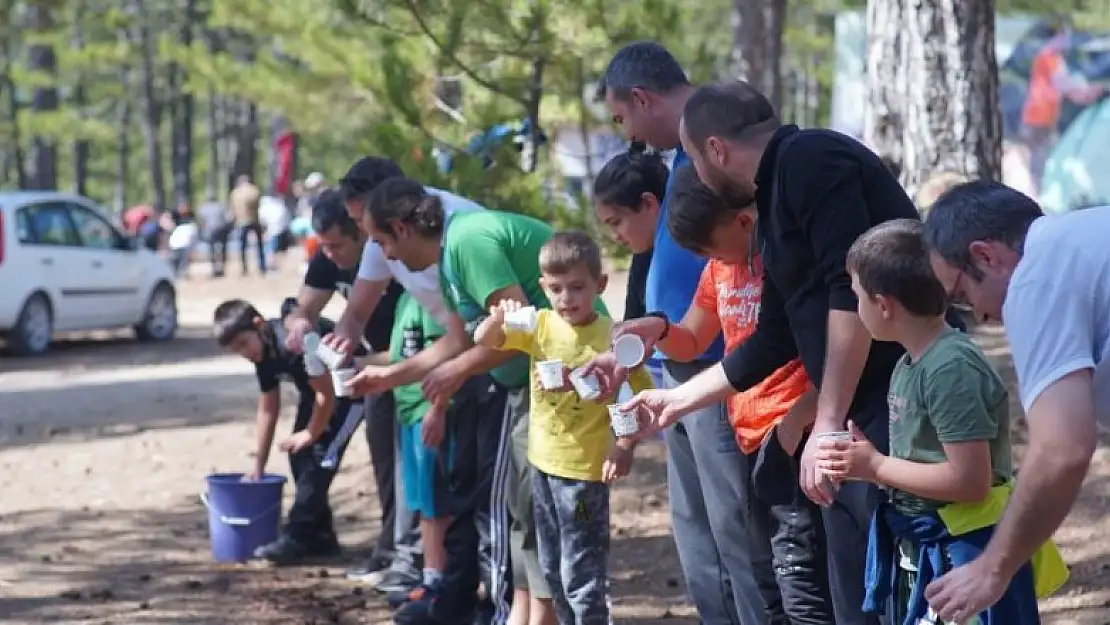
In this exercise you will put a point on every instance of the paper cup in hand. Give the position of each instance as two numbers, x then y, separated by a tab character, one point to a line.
551	374
339	379
329	356
521	320
624	422
587	386
844	435
629	350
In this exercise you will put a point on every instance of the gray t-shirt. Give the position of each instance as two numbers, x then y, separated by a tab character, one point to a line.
1057	308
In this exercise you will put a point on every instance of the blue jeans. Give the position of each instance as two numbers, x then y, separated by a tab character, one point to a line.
708	492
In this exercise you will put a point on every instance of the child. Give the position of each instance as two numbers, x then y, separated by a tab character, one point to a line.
569	440
316	436
439	469
949	468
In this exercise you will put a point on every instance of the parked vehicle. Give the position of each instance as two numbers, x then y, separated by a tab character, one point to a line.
64	266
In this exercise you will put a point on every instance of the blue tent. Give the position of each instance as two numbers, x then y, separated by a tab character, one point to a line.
1075	174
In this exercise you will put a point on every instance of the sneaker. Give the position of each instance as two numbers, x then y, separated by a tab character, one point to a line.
422	593
422	610
288	550
370	572
397	582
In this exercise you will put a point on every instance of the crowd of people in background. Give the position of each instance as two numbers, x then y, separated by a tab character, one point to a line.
838	449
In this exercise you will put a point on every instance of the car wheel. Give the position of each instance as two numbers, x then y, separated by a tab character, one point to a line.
35	328
160	318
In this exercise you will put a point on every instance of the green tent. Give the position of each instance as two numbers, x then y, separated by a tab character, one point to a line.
1075	174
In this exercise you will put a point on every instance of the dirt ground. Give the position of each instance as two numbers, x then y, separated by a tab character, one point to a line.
104	445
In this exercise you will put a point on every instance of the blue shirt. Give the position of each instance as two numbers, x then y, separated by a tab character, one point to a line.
674	273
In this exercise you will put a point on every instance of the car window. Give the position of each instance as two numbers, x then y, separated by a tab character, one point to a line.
94	230
50	225
23	226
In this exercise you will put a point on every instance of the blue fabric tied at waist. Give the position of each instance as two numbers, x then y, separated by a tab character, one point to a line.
937	550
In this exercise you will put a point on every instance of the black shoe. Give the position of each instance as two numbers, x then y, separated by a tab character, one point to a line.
396	582
370	572
288	550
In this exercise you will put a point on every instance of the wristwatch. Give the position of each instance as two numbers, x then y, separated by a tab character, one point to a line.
666	323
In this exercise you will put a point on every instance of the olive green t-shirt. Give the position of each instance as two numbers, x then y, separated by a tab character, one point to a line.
950	395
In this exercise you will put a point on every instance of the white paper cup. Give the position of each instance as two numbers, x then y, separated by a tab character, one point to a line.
523	320
629	350
551	374
339	379
835	436
329	356
587	386
624	422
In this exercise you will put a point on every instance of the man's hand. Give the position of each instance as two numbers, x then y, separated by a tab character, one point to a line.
649	329
341	342
610	375
618	464
815	484
434	427
442	382
297	328
856	459
297	441
372	380
967	590
656	409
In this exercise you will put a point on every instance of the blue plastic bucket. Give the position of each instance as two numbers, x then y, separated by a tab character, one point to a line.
242	516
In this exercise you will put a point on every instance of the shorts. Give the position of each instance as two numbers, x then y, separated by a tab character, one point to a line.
422	471
523	545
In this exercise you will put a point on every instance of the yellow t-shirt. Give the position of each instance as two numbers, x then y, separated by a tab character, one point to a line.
568	437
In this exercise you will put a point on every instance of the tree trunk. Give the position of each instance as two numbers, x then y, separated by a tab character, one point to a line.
245	144
182	113
757	29
933	85
13	156
123	144
152	108
80	146
212	181
42	59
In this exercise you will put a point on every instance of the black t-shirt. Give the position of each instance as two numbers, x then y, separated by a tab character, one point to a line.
325	275
280	363
635	305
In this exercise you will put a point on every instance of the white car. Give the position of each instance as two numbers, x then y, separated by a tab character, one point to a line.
64	266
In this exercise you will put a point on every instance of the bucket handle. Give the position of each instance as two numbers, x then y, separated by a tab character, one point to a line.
237	521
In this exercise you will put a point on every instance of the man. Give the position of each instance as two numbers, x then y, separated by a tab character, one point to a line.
215	229
244	200
645	89
816	191
332	270
1046	279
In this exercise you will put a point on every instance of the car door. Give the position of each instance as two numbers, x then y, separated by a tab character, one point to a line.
50	242
115	279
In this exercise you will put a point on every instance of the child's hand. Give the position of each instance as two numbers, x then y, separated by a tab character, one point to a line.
434	427
617	465
254	474
296	442
507	306
856	459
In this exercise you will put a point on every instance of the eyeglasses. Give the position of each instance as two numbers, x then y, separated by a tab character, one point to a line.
955	298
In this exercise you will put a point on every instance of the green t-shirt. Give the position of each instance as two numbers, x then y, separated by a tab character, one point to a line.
484	252
950	395
413	330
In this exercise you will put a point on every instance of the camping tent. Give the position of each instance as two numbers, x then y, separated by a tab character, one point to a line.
1075	174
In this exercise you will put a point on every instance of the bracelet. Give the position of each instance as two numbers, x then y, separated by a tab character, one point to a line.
666	323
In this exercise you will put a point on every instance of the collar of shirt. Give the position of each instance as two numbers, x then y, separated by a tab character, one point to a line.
765	173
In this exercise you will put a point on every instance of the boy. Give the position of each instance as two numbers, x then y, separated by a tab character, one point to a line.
320	430
570	444
440	468
949	465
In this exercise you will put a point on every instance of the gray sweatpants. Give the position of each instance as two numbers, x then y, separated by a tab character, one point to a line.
572	528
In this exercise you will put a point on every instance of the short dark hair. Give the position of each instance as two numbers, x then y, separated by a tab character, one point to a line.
405	200
645	65
627	176
734	111
569	249
890	260
366	174
694	210
328	212
981	210
232	318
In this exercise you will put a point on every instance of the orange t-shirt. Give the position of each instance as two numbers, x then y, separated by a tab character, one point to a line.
732	293
1042	103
